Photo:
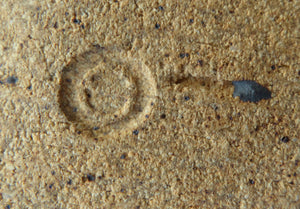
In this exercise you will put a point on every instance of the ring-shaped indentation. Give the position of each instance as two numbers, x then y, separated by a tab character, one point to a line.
106	90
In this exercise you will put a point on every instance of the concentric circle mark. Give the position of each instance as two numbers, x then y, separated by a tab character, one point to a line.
105	90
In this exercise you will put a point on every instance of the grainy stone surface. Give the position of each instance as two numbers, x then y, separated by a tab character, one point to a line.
174	137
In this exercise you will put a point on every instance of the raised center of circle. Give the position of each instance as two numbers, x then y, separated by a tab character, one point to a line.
108	91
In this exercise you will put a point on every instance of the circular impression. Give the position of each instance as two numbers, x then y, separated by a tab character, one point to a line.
106	90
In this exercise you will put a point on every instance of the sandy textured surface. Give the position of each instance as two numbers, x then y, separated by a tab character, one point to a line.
129	104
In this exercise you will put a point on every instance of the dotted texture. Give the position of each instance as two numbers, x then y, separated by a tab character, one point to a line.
196	147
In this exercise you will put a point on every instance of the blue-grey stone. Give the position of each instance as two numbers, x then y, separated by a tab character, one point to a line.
250	91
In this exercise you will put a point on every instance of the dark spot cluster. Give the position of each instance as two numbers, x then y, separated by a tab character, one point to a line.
160	8
135	132
251	181
89	177
78	22
285	139
183	55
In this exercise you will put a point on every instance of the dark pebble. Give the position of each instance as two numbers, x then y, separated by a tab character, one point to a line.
250	91
285	139
123	156
135	132
50	186
273	67
53	172
11	80
7	207
157	26
191	20
163	116
182	55
200	62
251	181
69	182
76	21
186	98
160	8
91	177
96	128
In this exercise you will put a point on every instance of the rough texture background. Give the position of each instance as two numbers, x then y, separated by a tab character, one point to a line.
195	147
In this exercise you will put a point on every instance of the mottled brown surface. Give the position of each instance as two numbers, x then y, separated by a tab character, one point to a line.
174	137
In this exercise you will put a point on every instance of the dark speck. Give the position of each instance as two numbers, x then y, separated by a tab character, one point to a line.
273	67
29	87
78	132
7	207
187	54
91	177
152	103
68	80
96	128
182	55
75	109
191	20
1	82
123	156
69	182
122	190
53	172
200	62
160	8
147	116
135	132
186	98
82	26
285	139
67	13
251	181
250	91
157	26
163	116
55	25
11	80
76	21
50	186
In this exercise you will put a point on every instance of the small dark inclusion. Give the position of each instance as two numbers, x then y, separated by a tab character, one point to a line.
250	91
11	80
